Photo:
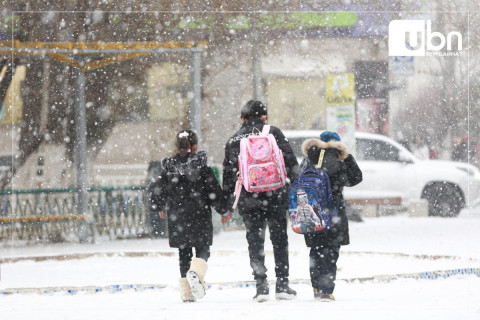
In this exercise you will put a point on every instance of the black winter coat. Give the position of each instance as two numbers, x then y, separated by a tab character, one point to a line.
252	201
341	174
186	191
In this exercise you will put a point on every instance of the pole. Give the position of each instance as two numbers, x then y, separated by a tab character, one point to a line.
196	107
257	73
256	62
81	132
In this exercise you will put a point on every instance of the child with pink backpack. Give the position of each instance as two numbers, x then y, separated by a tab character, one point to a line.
258	161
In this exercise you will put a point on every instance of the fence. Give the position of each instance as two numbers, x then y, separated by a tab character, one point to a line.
51	214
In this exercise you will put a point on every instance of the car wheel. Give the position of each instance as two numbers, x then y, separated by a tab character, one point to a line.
444	200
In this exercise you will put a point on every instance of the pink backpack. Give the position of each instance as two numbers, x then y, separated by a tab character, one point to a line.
260	164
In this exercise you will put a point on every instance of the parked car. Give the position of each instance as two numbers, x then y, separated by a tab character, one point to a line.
390	169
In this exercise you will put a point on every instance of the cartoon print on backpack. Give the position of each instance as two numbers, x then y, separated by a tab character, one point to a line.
306	218
264	175
311	207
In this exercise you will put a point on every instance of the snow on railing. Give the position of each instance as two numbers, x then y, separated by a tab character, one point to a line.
51	214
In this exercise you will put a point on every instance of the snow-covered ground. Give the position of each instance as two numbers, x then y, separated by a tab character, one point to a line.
394	245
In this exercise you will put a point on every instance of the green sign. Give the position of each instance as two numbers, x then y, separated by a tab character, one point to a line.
293	20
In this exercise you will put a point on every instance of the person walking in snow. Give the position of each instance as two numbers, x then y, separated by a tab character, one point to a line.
262	209
464	150
342	170
185	192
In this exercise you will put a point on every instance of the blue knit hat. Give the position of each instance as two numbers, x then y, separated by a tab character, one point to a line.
329	135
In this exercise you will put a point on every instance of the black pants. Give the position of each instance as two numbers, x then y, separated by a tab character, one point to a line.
256	222
323	267
185	257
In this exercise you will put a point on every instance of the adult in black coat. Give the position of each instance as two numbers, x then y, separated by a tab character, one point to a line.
186	190
263	209
342	170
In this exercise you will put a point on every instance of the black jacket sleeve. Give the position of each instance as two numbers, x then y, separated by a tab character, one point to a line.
354	174
291	163
230	168
158	193
214	192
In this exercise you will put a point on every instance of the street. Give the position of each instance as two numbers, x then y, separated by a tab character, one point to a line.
376	277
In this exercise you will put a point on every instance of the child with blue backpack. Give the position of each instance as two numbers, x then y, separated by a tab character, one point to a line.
342	170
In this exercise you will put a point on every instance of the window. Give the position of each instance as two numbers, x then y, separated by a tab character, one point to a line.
168	88
376	150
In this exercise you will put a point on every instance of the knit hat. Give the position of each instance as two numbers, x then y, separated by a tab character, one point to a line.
329	135
253	109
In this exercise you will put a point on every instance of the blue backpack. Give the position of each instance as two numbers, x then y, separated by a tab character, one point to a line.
311	206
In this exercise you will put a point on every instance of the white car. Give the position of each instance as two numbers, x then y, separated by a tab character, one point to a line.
390	169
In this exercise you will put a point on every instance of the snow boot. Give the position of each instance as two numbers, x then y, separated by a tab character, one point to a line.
262	294
322	296
185	292
195	277
283	291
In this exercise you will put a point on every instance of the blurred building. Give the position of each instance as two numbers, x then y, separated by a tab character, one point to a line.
147	100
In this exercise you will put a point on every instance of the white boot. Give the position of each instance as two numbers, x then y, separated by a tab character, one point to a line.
185	292
195	277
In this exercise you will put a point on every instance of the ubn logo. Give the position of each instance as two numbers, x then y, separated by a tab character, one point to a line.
410	38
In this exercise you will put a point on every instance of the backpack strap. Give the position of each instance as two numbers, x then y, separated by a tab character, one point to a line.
320	159
266	130
238	190
257	130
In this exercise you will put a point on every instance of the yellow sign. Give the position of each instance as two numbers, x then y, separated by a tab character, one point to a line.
11	107
341	107
340	89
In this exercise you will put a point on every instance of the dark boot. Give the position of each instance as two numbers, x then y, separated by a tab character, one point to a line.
262	291
322	296
283	291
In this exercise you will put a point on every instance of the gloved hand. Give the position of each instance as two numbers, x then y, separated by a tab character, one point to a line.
162	215
227	216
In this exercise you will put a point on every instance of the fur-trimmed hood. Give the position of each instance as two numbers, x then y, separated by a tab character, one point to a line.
332	144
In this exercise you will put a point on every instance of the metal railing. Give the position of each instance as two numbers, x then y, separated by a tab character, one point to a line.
51	214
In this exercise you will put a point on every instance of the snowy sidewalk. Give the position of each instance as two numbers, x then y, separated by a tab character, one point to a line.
380	246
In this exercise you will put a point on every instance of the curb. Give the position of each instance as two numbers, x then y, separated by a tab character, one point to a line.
156	254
